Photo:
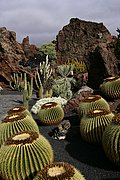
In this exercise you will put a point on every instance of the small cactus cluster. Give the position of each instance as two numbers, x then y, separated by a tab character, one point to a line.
51	113
111	140
110	87
16	82
17	119
59	171
23	155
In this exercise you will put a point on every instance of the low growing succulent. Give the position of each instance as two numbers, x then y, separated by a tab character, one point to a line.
23	155
59	171
94	123
15	123
111	87
92	102
111	140
51	113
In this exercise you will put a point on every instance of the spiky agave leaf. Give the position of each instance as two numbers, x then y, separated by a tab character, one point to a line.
14	123
111	140
92	102
94	123
23	155
59	171
111	87
18	109
51	113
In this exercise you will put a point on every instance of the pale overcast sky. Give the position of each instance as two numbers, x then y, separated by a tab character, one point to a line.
41	20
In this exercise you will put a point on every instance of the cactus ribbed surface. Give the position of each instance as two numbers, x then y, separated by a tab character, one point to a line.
111	140
93	125
59	171
23	155
51	113
92	102
111	87
15	123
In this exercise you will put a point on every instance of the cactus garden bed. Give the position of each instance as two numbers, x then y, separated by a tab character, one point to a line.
89	159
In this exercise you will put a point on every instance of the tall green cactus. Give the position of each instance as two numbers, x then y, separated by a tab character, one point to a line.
27	91
42	74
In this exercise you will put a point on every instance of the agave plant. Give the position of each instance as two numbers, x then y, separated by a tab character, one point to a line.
93	125
15	123
51	113
92	102
59	171
111	140
111	87
23	155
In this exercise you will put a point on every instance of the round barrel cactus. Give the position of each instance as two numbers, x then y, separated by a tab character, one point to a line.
93	125
111	140
59	171
111	87
18	109
14	123
92	102
51	113
23	155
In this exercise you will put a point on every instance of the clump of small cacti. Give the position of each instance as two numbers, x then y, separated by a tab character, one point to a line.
16	82
51	113
111	140
93	125
59	171
110	87
92	102
14	123
23	155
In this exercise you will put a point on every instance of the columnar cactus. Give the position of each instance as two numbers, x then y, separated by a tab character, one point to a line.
51	113
23	155
59	171
111	87
111	140
93	125
14	123
92	102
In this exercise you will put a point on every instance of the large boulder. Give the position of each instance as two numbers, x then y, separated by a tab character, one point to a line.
90	42
11	53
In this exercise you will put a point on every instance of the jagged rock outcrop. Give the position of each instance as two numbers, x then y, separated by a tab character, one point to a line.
11	53
90	42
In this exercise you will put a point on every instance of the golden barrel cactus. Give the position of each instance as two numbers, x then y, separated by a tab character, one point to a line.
93	125
23	155
59	171
15	123
92	102
51	113
110	87
111	140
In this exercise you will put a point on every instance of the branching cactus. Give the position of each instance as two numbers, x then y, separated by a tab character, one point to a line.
24	154
16	82
59	171
65	70
27	91
42	74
